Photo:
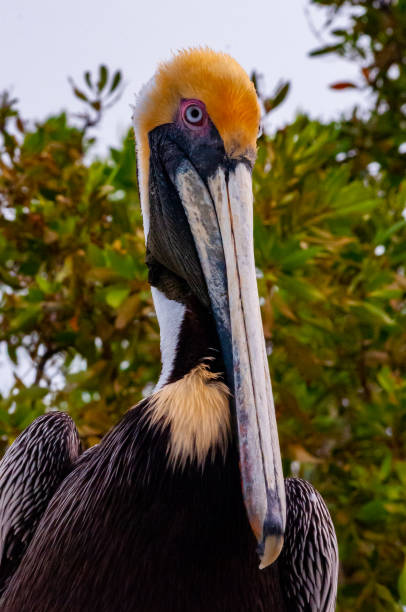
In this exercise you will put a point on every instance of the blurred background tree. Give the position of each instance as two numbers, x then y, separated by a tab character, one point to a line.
330	224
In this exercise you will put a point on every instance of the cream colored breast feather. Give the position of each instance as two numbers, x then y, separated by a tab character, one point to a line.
196	410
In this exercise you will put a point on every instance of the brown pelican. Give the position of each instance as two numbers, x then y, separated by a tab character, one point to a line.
181	507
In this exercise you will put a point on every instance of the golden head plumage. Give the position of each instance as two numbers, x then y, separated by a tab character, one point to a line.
216	79
219	82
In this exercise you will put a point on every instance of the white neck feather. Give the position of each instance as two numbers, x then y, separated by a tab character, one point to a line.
170	317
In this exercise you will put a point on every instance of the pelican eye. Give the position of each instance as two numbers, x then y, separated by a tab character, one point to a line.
194	114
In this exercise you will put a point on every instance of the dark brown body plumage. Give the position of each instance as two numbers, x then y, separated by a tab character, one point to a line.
125	534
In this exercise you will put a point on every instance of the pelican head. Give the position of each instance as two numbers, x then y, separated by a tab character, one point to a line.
196	124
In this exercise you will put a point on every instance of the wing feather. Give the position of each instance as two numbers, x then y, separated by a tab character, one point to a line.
309	559
30	472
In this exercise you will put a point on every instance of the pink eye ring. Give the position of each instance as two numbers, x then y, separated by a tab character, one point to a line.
194	113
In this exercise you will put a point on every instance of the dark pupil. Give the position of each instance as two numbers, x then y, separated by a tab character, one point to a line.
195	112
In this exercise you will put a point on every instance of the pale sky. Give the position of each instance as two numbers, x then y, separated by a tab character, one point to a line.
44	41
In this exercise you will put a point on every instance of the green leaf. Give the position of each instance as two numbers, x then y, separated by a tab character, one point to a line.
384	594
26	318
298	258
65	338
35	295
80	94
116	81
400	467
386	467
277	99
383	235
32	393
88	79
386	294
372	512
96	256
45	285
300	289
121	263
356	209
402	585
378	313
324	50
30	266
103	76
116	295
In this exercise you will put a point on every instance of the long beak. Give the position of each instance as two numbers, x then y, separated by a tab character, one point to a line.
220	216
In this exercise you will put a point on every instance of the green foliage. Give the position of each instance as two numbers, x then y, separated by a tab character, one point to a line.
74	281
330	250
99	95
376	40
330	240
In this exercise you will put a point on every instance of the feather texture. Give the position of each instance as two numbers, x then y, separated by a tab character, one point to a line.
309	561
30	472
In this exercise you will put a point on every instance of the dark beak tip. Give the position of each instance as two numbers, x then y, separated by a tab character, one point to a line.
273	526
271	543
